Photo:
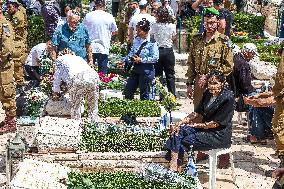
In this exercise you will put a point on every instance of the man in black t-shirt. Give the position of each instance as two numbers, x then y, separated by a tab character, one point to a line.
226	17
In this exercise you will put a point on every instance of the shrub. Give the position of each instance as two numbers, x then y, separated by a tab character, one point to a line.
138	108
36	30
249	23
122	138
118	180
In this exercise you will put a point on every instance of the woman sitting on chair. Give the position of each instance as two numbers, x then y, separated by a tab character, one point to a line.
214	131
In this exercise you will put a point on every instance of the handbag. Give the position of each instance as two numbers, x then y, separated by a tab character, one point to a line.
128	64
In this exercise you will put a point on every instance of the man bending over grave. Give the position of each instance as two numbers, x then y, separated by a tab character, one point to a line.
81	80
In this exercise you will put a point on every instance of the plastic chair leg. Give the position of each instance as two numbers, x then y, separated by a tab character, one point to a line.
212	171
232	167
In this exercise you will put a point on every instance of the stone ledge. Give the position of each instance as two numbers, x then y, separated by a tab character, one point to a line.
102	161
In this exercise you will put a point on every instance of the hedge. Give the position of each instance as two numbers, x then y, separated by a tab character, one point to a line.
118	180
122	138
36	30
138	108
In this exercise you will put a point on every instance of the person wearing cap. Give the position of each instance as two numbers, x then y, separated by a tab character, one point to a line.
126	11
226	17
208	51
101	27
18	19
137	18
144	54
7	83
278	118
72	35
241	77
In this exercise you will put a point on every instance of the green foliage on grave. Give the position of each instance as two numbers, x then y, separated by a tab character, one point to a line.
118	180
103	137
138	108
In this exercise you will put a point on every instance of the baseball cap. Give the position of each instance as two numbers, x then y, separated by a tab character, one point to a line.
250	47
211	11
143	2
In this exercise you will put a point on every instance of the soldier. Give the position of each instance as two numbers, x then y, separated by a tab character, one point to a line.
7	86
126	11
18	18
278	118
208	51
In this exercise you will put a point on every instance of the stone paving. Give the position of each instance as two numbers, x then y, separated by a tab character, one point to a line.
250	160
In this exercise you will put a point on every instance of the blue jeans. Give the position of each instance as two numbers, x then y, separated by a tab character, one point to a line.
281	28
102	60
261	121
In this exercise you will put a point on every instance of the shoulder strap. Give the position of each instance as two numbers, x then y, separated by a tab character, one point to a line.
141	47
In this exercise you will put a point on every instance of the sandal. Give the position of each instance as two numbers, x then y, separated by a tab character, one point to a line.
253	140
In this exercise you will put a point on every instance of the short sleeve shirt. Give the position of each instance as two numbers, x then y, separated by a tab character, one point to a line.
35	53
76	41
163	34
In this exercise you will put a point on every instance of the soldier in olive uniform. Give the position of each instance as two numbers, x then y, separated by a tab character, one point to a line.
278	118
7	85
126	10
208	51
18	18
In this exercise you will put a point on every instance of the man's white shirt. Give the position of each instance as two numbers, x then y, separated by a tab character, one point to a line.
35	53
67	67
100	26
137	18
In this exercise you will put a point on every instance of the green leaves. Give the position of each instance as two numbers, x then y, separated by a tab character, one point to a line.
138	108
248	23
118	180
115	138
36	30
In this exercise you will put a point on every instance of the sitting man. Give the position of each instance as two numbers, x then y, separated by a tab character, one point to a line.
260	116
81	80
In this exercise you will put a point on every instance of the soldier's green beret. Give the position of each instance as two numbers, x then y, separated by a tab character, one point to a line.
210	12
134	1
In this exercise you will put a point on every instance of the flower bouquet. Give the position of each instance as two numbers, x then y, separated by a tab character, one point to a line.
34	102
46	66
111	81
240	37
46	84
168	100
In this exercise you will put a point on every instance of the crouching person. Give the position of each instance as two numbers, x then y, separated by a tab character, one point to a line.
81	80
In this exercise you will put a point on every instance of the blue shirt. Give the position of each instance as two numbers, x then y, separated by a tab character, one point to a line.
149	54
76	41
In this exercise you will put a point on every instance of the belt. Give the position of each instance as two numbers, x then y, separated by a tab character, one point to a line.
165	47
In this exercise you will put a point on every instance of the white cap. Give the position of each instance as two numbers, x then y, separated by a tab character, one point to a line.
250	47
143	2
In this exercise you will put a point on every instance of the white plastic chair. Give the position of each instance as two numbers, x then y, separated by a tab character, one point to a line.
213	157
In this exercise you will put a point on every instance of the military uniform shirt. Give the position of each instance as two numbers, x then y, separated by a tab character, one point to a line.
76	41
207	56
19	23
6	45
